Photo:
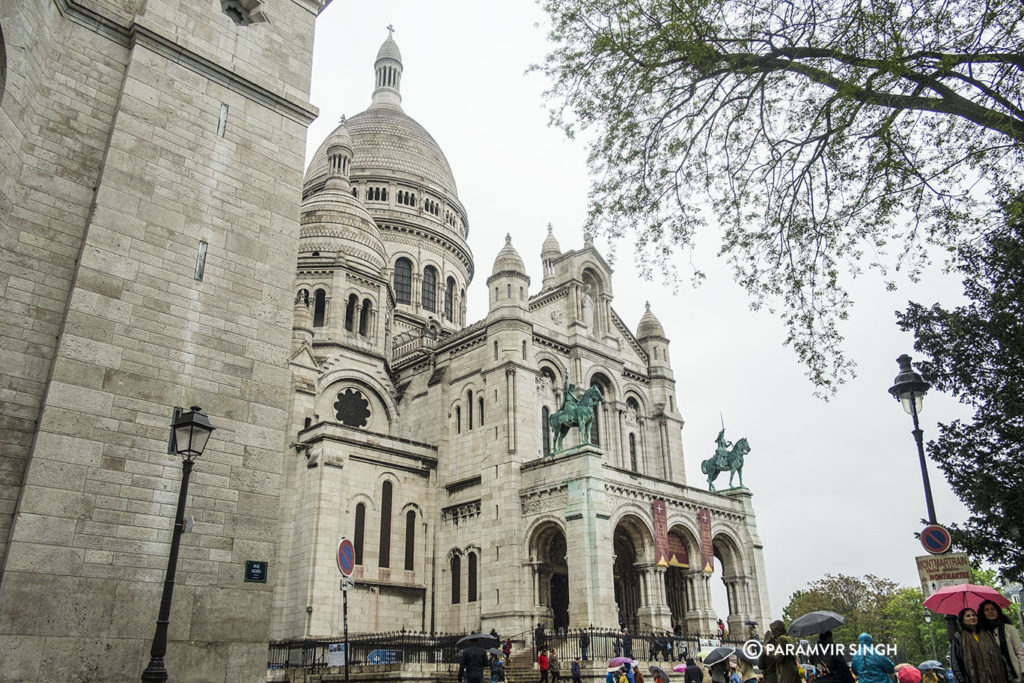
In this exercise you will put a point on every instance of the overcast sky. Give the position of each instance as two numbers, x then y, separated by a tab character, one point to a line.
837	485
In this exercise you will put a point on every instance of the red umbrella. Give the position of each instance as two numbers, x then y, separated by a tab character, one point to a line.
952	599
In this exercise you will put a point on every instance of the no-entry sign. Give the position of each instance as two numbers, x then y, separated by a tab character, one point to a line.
346	557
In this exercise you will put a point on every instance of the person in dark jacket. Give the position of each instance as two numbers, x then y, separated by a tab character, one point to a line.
974	655
627	645
693	674
577	675
584	642
830	663
870	666
472	662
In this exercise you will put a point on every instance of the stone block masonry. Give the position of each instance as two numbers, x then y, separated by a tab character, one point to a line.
112	170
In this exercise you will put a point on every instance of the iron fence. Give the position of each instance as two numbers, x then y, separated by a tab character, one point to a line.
396	647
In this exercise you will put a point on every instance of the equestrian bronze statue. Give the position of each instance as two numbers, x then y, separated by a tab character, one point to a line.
725	460
575	412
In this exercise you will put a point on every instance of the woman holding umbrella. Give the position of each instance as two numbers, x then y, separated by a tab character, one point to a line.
992	619
973	652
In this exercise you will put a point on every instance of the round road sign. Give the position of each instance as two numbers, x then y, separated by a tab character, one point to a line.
346	557
935	539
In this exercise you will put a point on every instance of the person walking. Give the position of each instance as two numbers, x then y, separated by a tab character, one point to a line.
539	637
554	666
995	621
974	655
627	646
506	649
574	670
497	669
472	662
544	664
869	665
584	642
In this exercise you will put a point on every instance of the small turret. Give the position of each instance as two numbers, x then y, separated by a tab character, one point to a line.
508	286
549	251
651	335
339	158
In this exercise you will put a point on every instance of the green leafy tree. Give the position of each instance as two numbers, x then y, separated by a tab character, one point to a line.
821	132
890	613
976	353
860	600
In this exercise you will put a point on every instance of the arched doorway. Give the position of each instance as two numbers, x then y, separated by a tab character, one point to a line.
632	542
733	576
677	589
549	550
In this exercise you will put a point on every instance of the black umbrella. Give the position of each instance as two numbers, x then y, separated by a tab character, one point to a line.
482	639
662	672
719	654
815	622
750	623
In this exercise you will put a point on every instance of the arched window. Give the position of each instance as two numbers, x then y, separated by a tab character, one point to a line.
508	293
429	297
456	578
462	310
495	350
632	452
319	307
524	349
403	281
469	404
364	317
385	526
458	419
449	298
546	438
410	539
350	312
357	533
471	579
480	411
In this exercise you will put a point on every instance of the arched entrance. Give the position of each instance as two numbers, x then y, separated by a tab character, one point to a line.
549	549
632	542
677	586
734	577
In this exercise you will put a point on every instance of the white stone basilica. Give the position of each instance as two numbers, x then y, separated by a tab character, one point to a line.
424	439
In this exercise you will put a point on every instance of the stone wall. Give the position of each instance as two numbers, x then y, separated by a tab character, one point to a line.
114	169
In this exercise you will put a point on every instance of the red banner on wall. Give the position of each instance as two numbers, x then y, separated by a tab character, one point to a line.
660	532
707	554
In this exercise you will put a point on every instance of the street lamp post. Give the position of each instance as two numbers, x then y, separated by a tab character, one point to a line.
931	636
191	432
909	389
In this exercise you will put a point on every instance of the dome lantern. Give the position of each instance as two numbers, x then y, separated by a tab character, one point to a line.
387	69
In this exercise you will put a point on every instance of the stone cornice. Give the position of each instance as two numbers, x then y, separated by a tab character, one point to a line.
129	34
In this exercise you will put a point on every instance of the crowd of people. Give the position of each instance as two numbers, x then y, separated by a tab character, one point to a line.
985	647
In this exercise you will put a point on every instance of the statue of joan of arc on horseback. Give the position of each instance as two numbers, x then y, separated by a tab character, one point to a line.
728	457
575	412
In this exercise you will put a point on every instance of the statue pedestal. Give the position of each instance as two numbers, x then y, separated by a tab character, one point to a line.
582	449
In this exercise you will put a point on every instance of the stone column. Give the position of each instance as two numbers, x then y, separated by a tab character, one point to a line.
623	451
